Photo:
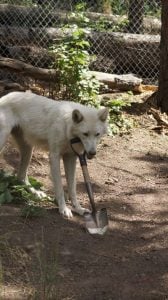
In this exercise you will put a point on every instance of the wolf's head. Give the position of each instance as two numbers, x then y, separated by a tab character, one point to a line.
90	125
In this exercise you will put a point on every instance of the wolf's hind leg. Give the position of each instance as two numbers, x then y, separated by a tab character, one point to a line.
3	138
4	134
25	154
25	157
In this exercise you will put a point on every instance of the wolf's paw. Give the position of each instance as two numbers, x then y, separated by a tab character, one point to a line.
38	194
66	212
80	210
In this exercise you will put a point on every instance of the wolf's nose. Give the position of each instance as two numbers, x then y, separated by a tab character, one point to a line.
92	153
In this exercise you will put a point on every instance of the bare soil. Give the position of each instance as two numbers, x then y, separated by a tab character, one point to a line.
50	257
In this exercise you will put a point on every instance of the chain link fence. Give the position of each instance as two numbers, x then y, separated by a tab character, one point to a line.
124	36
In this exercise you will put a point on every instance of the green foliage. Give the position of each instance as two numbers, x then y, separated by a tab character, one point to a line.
78	17
8	193
12	191
152	8
72	59
119	7
118	122
103	24
35	183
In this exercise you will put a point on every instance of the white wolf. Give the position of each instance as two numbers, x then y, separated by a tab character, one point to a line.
38	121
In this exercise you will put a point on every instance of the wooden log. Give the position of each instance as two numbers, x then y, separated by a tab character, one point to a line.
30	54
40	16
119	53
152	25
122	82
31	36
17	66
48	34
127	82
126	52
24	15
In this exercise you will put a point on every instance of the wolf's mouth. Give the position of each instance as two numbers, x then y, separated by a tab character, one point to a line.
89	156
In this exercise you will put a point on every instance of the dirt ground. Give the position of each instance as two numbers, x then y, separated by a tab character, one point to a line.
50	257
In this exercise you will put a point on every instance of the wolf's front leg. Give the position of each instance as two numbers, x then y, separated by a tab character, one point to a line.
57	182
70	172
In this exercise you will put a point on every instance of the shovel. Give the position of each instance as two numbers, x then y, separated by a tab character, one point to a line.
97	220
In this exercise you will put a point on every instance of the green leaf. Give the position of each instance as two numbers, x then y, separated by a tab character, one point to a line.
35	183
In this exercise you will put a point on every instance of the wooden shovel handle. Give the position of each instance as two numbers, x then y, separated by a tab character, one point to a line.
78	148
87	181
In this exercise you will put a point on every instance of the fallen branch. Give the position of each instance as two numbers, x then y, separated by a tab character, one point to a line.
28	70
120	82
126	82
157	116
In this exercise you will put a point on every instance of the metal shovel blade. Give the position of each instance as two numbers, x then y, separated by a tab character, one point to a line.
97	222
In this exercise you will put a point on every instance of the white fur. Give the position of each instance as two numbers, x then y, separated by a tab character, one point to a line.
38	121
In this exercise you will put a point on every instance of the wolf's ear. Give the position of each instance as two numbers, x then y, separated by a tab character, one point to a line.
103	114
77	117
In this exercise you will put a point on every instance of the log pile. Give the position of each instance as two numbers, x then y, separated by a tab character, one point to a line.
36	15
127	52
116	52
116	82
121	52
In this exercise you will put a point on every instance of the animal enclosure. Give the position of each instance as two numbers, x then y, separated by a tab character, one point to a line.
124	36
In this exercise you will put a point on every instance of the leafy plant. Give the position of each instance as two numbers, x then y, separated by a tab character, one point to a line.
35	183
72	61
118	122
119	7
103	24
152	8
12	191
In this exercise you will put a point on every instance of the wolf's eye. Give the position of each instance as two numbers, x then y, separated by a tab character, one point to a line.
97	134
86	134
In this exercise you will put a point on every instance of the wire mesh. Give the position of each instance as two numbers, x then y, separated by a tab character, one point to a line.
124	36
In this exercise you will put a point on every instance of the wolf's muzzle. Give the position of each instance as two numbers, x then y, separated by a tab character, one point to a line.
91	154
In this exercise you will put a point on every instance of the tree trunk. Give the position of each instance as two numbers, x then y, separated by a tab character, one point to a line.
135	15
162	98
163	76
